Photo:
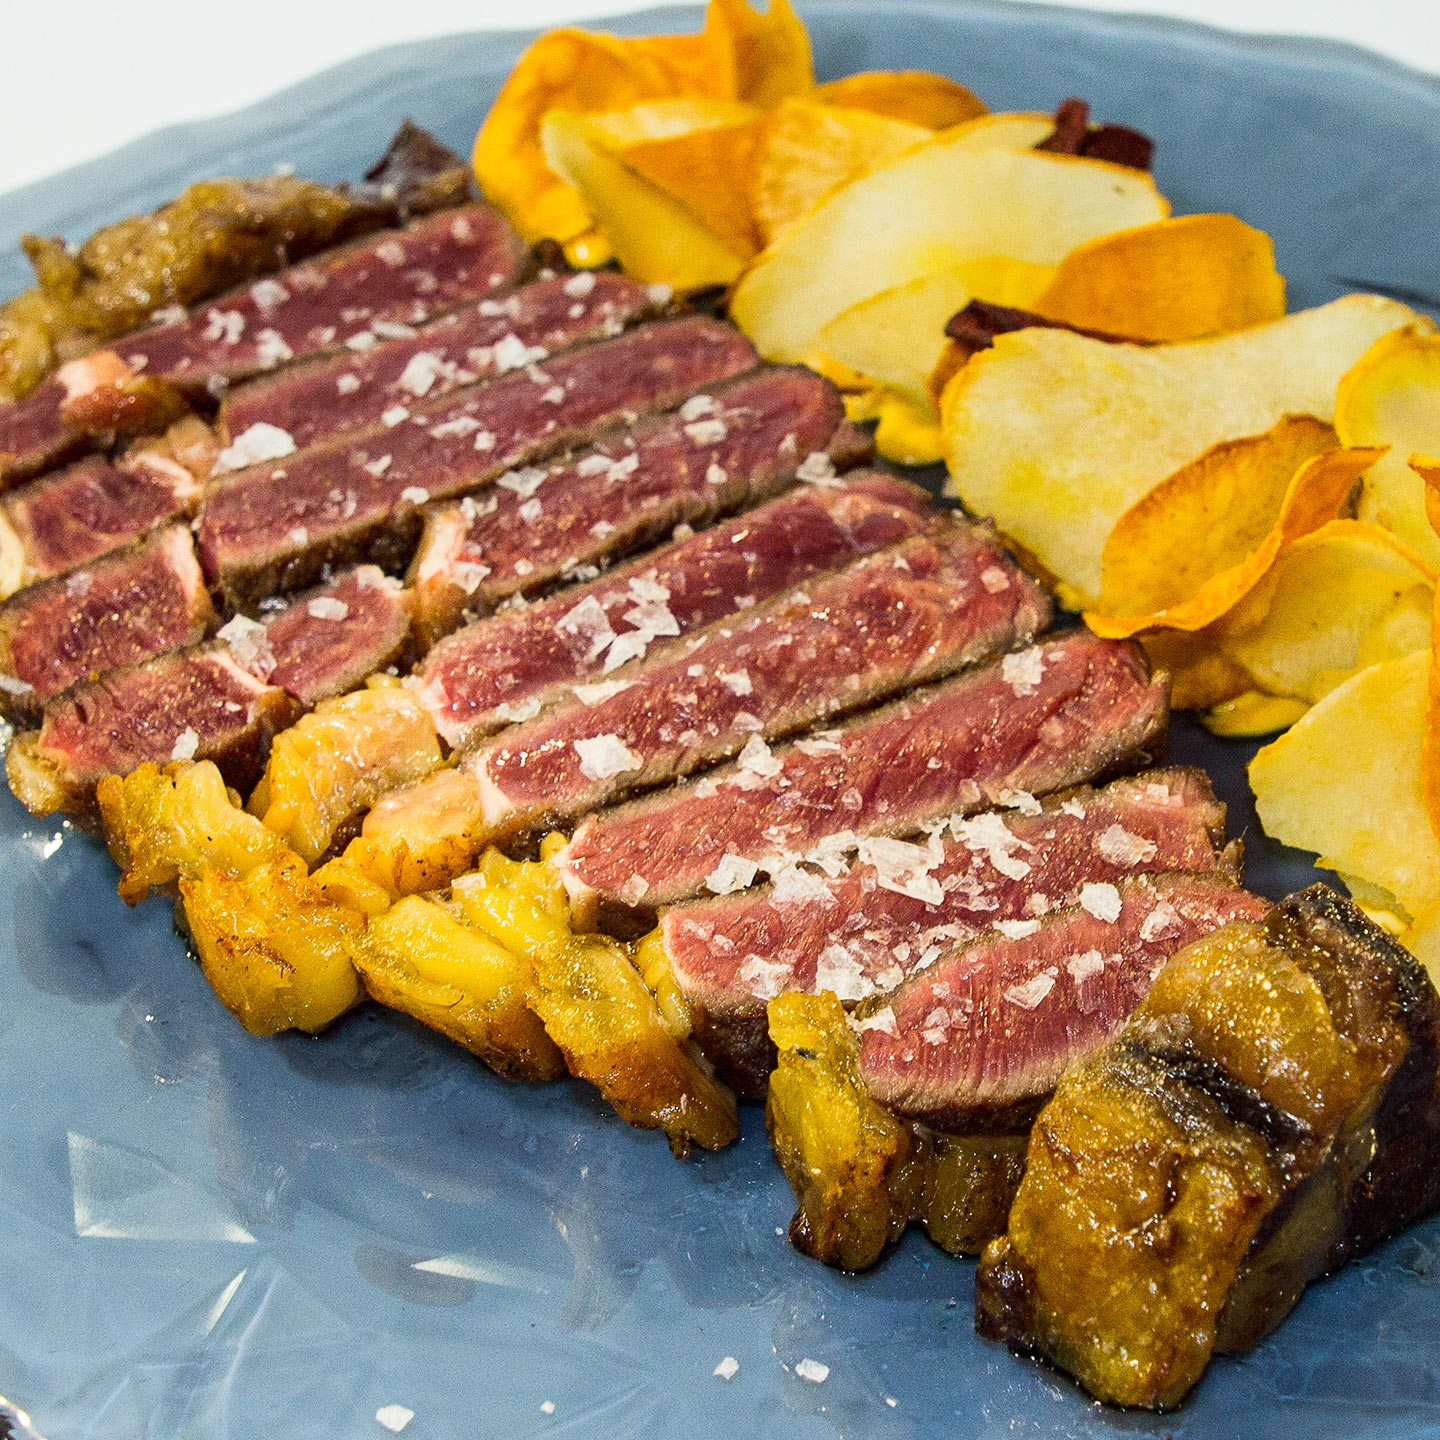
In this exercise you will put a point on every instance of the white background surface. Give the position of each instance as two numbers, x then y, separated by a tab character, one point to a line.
81	77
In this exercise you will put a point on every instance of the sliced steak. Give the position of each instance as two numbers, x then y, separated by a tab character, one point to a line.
921	609
743	441
327	641
506	667
354	296
887	915
275	527
983	1034
34	435
1064	712
352	390
76	514
189	704
124	608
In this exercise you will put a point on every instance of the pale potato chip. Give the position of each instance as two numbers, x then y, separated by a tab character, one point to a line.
654	236
1340	599
1177	279
1056	435
1422	940
665	119
916	96
1427	467
708	171
807	149
1430	746
1005	130
941	203
1392	397
1188	551
1344	781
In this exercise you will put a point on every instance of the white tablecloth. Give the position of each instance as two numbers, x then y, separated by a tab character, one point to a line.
84	77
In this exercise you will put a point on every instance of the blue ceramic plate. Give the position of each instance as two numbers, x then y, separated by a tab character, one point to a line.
207	1235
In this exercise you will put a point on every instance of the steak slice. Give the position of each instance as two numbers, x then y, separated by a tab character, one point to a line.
1268	1113
883	918
326	642
629	490
73	515
124	608
507	667
275	527
1069	710
34	435
982	1035
921	609
189	704
350	390
353	296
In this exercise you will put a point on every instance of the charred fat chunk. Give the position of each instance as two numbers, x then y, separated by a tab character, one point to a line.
1268	1112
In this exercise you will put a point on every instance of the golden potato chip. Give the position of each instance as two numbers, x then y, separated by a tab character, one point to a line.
1005	130
757	57
709	172
907	433
937	205
1422	939
915	96
654	236
1344	781
1392	397
1200	675
666	119
1430	746
1254	713
807	149
1344	597
1177	279
1056	435
1185	553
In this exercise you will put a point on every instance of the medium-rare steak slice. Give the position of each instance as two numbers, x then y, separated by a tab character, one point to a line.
74	515
275	527
124	608
34	435
889	915
981	1036
508	666
1061	713
1268	1113
739	443
352	390
188	704
921	609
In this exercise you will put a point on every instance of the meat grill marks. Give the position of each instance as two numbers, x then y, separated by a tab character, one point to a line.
865	929
508	666
124	608
921	609
353	294
76	514
1070	710
739	443
982	1036
1282	1079
275	527
351	390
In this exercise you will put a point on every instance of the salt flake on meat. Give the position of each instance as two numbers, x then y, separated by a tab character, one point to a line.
602	757
1162	920
577	287
588	622
523	482
1029	994
734	872
735	681
838	971
988	835
421	372
995	580
757	758
1102	900
817	468
1017	929
224	327
1082	967
187	744
260	442
706	432
1120	847
347	384
882	1020
697	407
601	690
790	885
1023	671
327	607
764	979
249	643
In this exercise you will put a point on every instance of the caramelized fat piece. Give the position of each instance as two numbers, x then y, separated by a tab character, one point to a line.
277	951
860	1172
1268	1112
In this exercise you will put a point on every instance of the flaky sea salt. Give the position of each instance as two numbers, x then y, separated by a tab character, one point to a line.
727	1369
187	743
1029	994
734	872
1024	670
813	1370
327	607
602	757
1102	900
1117	845
421	372
260	442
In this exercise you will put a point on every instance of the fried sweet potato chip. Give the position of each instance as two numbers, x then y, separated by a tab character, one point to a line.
1392	397
939	204
807	148
1177	279
1188	551
654	236
917	96
757	57
1056	435
1345	781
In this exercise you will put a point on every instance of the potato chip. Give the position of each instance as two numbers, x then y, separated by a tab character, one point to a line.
757	57
1422	940
1344	781
916	96
1427	467
807	149
936	206
666	119
1056	435
1430	745
655	237
1005	130
1177	279
1392	397
1254	713
707	170
1185	553
1201	676
1344	597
